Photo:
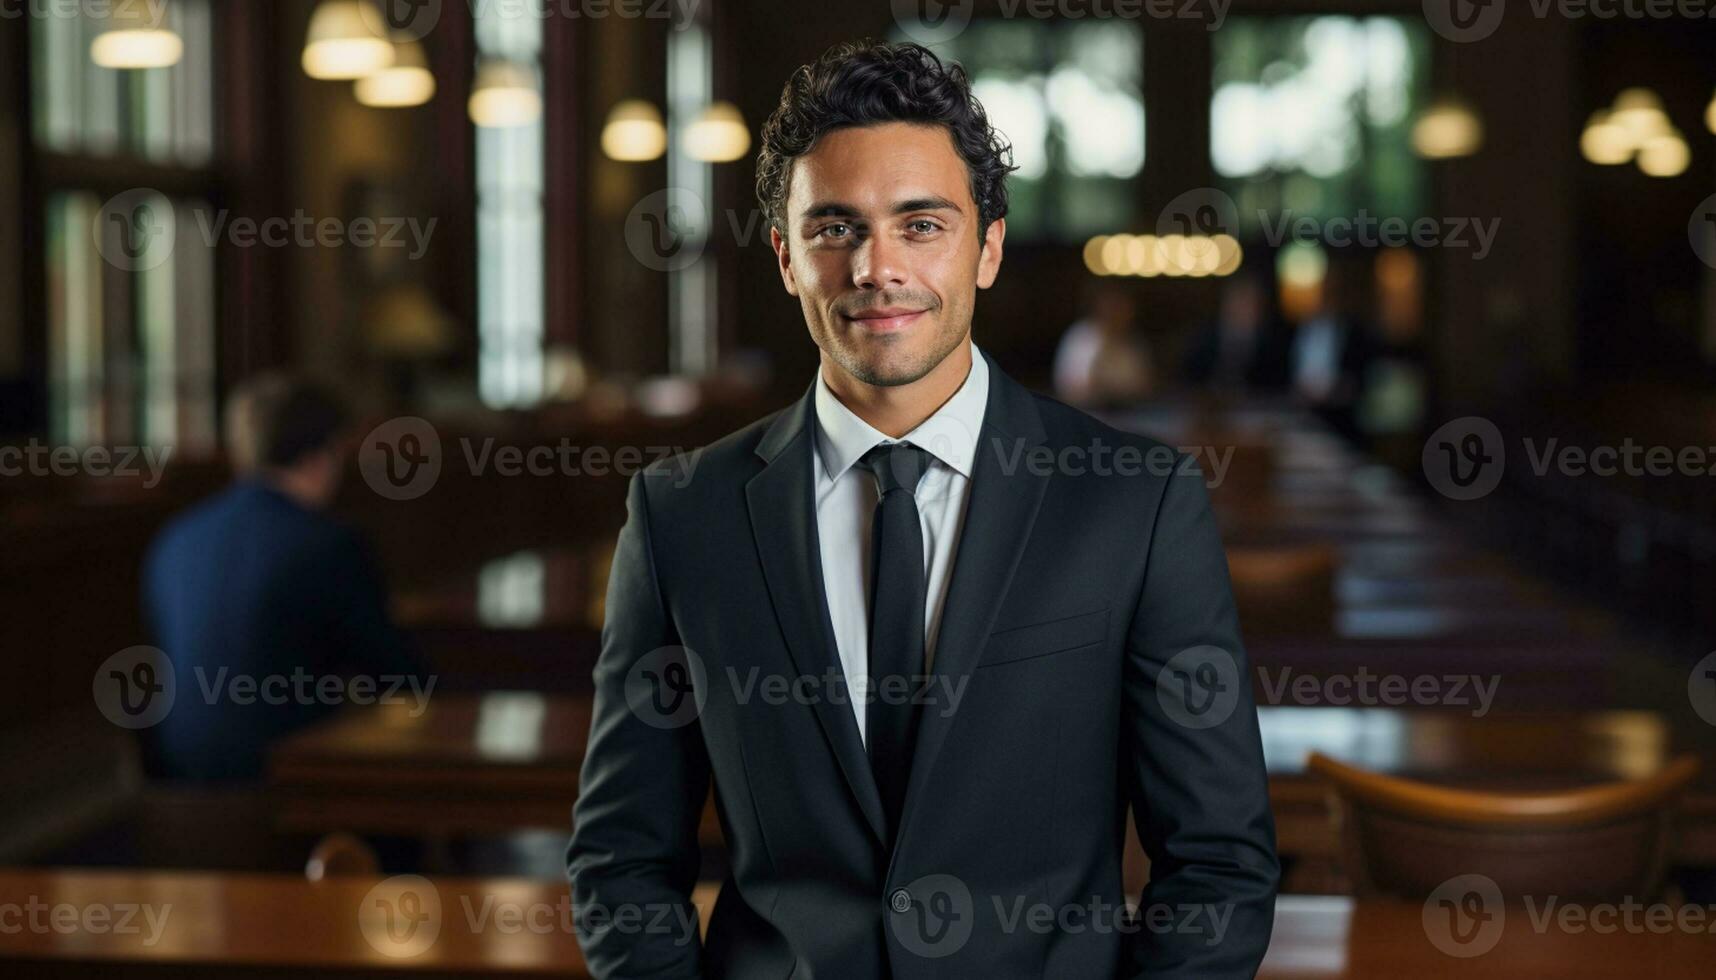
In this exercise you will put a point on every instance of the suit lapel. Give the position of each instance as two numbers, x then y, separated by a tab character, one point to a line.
782	505
1000	511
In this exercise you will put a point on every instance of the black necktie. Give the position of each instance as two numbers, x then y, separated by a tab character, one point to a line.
896	619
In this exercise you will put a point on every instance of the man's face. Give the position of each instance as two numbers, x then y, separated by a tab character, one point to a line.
881	249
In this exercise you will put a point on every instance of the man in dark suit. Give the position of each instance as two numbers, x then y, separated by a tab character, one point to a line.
929	634
257	586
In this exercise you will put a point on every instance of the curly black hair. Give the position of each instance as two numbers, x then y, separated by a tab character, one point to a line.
861	83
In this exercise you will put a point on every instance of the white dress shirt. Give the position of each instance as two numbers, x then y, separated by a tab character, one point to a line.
846	504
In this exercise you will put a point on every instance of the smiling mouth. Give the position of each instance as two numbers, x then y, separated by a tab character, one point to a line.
888	320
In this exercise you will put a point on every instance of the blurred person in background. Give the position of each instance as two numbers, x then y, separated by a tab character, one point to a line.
1334	346
259	585
1101	361
1245	348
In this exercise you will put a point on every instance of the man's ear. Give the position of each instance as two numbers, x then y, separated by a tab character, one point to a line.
785	259
989	259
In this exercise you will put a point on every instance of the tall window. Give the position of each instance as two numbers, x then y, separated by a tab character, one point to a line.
1313	115
1068	96
692	287
511	303
130	277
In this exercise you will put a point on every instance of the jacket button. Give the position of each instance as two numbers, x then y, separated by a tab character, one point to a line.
901	900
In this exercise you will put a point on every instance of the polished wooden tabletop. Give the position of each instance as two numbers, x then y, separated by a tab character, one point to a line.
233	925
458	926
510	760
1322	938
520	739
458	762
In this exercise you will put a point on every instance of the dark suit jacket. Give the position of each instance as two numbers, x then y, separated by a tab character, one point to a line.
1082	613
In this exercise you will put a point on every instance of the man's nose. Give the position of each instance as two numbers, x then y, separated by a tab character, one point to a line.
879	263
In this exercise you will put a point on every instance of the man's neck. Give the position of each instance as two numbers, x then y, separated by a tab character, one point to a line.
302	488
897	410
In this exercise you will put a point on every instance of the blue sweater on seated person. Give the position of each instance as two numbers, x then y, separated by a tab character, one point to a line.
267	611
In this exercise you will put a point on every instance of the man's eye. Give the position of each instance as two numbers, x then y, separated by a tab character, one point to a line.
836	231
925	227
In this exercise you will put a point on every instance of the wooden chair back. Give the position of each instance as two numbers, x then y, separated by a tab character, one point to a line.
1594	843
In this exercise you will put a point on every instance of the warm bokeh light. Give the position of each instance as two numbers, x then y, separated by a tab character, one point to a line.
135	35
1636	128
1114	254
137	49
1230	255
1093	255
1639	112
340	44
505	94
1664	156
1604	143
1175	256
1301	268
408	83
634	132
718	134
1449	128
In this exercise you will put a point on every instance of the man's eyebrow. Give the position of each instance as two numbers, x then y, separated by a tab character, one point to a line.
837	209
829	209
932	203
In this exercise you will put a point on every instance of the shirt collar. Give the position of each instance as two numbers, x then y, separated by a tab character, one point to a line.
950	435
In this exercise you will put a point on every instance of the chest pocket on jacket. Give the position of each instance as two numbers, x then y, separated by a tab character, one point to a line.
1041	639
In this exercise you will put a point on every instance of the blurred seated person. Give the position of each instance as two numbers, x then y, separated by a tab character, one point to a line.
1101	361
264	605
1333	347
1245	347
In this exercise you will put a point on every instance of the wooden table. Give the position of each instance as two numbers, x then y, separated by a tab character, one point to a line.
277	926
528	619
236	925
469	763
1323	938
510	761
